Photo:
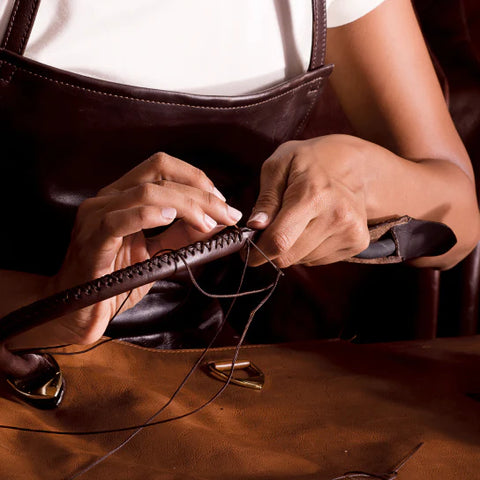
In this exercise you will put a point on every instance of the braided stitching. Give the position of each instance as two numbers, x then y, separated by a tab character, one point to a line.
176	257
155	263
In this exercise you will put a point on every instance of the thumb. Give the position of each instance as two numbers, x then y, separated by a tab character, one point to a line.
273	182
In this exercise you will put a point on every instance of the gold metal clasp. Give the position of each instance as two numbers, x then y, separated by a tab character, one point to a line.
44	389
254	379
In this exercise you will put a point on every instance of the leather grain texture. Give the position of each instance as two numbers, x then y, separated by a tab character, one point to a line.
326	408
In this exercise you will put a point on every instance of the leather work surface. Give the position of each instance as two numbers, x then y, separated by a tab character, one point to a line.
327	408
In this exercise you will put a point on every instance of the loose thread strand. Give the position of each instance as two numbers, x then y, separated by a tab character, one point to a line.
150	423
179	388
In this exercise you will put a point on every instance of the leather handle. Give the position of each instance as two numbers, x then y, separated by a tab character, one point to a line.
411	238
405	238
20	25
121	281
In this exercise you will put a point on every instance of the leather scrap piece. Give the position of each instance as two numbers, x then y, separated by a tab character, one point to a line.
411	238
327	407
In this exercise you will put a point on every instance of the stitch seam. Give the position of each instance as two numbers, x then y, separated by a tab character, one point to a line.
125	343
2	67
307	115
99	92
315	33
324	33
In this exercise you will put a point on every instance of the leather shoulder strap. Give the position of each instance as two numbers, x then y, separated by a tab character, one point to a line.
225	243
319	34
24	12
20	25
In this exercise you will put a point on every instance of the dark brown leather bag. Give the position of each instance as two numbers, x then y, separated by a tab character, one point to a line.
60	127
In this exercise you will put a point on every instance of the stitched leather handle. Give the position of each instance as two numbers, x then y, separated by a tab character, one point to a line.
406	238
319	32
20	25
124	280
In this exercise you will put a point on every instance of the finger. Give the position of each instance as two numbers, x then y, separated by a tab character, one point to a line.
282	234
179	235
162	166
331	236
336	248
202	210
309	240
116	224
273	182
327	254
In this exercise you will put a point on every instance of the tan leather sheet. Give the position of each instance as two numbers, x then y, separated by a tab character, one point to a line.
326	408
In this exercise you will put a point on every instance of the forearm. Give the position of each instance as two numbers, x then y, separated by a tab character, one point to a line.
387	86
430	189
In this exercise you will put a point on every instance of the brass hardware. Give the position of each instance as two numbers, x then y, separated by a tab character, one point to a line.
42	390
222	369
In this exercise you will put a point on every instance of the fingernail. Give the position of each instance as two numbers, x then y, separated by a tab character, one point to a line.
259	217
218	194
211	223
234	213
169	213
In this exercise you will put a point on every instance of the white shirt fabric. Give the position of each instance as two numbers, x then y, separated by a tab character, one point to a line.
215	47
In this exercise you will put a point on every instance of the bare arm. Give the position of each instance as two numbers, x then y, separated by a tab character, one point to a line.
390	92
406	159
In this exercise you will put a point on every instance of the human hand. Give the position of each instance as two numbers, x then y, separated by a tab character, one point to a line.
312	203
108	234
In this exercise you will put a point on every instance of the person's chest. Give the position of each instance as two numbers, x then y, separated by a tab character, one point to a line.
223	47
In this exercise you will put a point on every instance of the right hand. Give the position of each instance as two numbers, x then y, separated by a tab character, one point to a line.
108	235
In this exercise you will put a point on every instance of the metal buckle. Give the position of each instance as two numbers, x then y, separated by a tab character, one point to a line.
44	389
222	369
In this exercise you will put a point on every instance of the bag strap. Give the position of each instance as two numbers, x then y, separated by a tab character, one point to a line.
319	34
156	268
20	25
24	12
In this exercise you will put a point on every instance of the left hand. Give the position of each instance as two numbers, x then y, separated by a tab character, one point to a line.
312	203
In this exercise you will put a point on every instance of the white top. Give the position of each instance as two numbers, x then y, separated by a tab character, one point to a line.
223	47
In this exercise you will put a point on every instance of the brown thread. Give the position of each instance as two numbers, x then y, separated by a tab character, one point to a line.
204	351
54	306
197	364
